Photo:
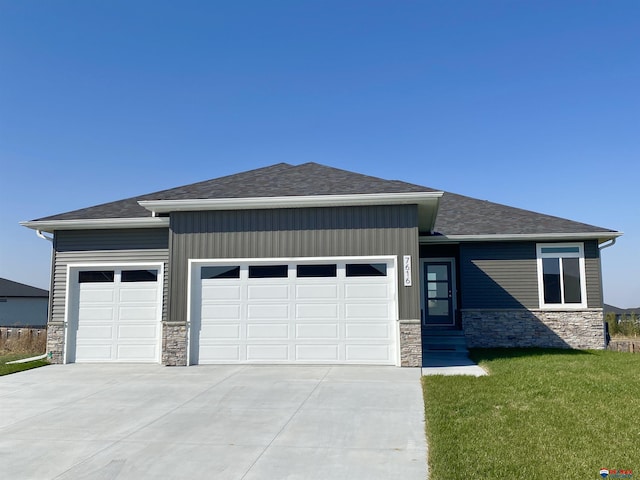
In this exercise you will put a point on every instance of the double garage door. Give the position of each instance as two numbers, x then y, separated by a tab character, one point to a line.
115	315
303	311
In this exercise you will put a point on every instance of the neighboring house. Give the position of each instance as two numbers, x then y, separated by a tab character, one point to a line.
22	305
312	264
620	312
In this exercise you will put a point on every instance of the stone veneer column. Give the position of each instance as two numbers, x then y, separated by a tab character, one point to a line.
174	344
581	329
55	342
410	343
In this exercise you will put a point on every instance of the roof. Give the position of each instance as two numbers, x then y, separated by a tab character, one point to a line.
460	215
280	180
457	215
9	288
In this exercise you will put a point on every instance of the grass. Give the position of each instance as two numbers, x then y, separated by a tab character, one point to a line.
540	414
18	347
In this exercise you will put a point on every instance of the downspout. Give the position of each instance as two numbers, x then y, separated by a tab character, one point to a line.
49	354
43	236
605	325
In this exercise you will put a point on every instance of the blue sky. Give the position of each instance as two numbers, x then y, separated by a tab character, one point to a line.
534	104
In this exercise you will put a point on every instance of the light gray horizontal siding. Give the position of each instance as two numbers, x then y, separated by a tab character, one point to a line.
505	275
498	275
305	232
100	247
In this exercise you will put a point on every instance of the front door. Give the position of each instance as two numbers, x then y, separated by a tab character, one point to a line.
438	298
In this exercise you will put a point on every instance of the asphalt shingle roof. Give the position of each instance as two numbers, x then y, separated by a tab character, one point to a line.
280	180
458	215
9	288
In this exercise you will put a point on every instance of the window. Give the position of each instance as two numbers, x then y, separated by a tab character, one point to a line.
219	272
139	276
96	276
268	271
317	270
561	275
366	270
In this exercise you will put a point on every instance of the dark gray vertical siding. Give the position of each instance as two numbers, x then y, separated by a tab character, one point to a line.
498	275
101	246
505	275
303	232
593	273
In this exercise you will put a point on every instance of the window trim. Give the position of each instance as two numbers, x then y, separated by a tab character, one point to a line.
583	275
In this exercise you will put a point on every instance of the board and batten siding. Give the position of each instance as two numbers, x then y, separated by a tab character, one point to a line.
504	275
299	232
105	246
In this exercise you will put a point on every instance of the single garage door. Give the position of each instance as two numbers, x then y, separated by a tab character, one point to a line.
320	311
115	315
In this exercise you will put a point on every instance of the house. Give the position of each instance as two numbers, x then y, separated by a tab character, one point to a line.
312	264
22	305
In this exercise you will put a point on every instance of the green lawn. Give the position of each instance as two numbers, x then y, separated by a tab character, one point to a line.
540	414
18	367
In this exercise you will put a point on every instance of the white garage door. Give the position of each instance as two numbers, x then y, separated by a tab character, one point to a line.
319	311
115	315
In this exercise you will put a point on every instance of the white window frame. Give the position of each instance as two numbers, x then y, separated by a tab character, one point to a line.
583	276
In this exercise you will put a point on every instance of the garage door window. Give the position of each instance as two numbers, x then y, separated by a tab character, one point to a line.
96	276
366	270
221	272
139	275
268	271
316	271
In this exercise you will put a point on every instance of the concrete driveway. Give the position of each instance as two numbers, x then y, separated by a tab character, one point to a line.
138	422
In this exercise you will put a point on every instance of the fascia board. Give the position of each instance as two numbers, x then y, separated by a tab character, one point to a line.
251	203
602	236
50	226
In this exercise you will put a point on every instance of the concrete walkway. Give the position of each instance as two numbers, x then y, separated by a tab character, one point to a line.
451	364
139	422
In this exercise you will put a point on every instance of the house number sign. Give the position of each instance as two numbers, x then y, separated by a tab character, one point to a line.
407	270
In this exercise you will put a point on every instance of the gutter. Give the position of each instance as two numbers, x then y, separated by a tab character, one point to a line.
607	245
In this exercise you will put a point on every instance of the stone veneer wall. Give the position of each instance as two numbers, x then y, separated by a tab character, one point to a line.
174	344
410	343
581	329
55	342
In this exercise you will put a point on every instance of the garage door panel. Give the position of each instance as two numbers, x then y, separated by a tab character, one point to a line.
138	332
94	353
137	295
317	310
368	353
94	333
92	314
268	331
126	314
220	312
222	331
317	353
367	331
140	352
267	311
316	292
311	331
279	353
367	291
220	292
95	295
268	292
367	311
219	353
